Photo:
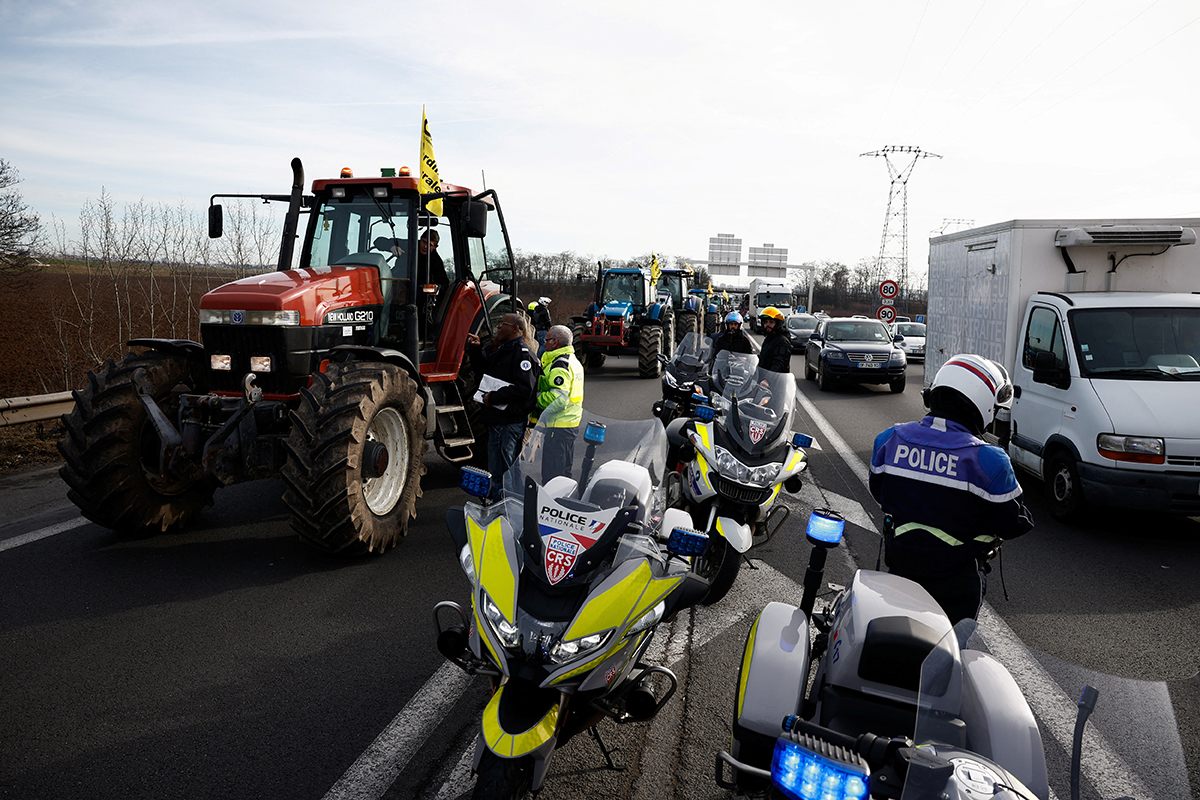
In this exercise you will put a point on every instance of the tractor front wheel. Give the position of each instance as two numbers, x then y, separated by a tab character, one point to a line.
355	451
111	450
649	346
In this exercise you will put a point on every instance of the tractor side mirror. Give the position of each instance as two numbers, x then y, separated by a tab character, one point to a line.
475	219
216	221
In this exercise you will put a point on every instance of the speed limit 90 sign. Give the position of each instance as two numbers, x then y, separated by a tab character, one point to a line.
887	314
889	289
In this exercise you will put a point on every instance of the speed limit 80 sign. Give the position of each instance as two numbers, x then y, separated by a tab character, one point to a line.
887	314
888	290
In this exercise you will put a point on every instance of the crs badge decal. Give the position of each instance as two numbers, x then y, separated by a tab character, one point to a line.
757	431
559	558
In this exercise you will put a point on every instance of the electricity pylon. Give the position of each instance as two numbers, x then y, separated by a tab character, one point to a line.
893	249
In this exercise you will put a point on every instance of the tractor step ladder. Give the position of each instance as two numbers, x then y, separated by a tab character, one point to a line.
452	438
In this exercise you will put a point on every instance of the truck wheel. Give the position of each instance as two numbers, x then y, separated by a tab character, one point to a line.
720	567
649	346
824	380
111	450
897	385
687	322
338	504
503	778
1063	489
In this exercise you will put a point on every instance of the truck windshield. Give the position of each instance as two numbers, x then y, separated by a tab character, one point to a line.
1137	343
774	299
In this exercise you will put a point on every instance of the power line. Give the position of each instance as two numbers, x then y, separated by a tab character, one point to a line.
900	71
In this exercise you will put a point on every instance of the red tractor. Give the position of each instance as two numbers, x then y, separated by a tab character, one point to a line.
332	375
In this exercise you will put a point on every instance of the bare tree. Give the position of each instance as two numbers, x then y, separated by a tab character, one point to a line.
20	234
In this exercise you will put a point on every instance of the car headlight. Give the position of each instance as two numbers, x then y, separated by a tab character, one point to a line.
669	380
897	355
764	475
563	651
509	635
1138	449
836	355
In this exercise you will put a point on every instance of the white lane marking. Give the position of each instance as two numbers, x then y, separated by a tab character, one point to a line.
1056	709
839	444
33	536
1052	703
459	780
379	766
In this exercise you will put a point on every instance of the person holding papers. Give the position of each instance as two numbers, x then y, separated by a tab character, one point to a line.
507	391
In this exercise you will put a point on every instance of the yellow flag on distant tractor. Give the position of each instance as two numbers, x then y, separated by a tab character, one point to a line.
726	293
655	269
430	183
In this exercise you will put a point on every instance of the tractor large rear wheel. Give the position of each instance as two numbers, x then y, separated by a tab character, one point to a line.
687	322
346	497
111	450
668	335
711	321
649	346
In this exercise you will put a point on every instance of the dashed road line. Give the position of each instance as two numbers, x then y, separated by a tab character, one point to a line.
43	533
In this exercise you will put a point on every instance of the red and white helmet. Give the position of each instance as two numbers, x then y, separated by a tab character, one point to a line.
982	381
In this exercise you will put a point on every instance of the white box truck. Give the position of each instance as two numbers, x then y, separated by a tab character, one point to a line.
768	292
1098	323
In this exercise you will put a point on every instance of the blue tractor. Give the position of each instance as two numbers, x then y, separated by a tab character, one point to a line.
674	287
626	318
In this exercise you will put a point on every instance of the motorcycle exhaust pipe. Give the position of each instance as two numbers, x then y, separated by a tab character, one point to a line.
640	703
452	641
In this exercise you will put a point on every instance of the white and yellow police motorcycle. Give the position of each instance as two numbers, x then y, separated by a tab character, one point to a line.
735	455
570	577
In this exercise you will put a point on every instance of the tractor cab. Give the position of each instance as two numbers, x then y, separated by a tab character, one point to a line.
675	284
625	286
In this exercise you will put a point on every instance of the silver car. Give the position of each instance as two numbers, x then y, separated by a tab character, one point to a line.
914	339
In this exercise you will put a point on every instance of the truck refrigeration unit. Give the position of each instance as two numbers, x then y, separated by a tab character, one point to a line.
1098	323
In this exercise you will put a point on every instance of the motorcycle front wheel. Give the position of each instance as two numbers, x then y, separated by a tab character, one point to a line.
503	778
719	566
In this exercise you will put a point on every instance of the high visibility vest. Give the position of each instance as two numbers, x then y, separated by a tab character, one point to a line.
560	389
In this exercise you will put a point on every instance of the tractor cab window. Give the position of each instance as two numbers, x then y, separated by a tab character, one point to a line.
364	230
623	287
674	285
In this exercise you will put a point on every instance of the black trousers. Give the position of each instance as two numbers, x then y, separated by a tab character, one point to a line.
558	453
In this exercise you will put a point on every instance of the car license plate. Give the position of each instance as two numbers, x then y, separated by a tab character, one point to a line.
865	365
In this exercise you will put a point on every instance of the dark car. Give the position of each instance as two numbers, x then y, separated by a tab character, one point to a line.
854	351
798	328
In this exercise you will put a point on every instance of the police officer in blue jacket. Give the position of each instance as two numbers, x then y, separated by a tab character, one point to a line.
950	497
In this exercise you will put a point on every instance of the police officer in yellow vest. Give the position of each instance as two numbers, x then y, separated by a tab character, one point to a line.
559	402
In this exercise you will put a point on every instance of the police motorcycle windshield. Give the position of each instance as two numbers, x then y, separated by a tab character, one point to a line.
757	405
693	352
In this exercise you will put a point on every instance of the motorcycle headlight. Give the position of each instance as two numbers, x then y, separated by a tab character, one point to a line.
649	619
468	563
755	476
727	463
669	380
509	635
765	475
563	651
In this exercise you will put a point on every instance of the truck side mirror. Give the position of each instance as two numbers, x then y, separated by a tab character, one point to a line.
1046	370
216	221
475	219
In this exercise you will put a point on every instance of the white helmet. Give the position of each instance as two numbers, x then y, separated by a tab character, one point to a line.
982	381
544	301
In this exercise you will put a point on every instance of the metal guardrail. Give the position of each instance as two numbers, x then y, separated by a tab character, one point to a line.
38	408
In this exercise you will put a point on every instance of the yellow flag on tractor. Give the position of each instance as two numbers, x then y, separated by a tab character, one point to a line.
655	270
430	183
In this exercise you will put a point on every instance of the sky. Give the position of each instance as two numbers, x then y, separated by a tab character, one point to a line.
619	128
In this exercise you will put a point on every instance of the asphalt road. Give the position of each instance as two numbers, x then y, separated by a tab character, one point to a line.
229	661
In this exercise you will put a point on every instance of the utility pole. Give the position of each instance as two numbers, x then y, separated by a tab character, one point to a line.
893	249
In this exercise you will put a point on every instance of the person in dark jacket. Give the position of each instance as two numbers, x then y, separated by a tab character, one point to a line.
776	353
950	498
512	369
733	338
540	313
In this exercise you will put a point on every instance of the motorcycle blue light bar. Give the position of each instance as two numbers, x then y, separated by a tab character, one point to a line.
687	542
705	413
595	432
802	774
801	440
825	526
699	398
475	481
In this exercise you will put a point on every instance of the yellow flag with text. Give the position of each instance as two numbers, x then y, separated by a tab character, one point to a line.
430	183
655	270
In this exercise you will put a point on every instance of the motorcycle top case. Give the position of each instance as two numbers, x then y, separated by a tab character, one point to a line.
883	629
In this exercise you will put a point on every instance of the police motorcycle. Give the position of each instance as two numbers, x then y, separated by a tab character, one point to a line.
888	666
682	376
735	455
569	579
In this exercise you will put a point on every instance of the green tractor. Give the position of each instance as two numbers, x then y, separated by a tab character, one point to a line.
625	319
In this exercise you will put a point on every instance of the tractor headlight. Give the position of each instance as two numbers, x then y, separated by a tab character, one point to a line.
563	651
260	363
510	635
215	316
221	362
290	317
